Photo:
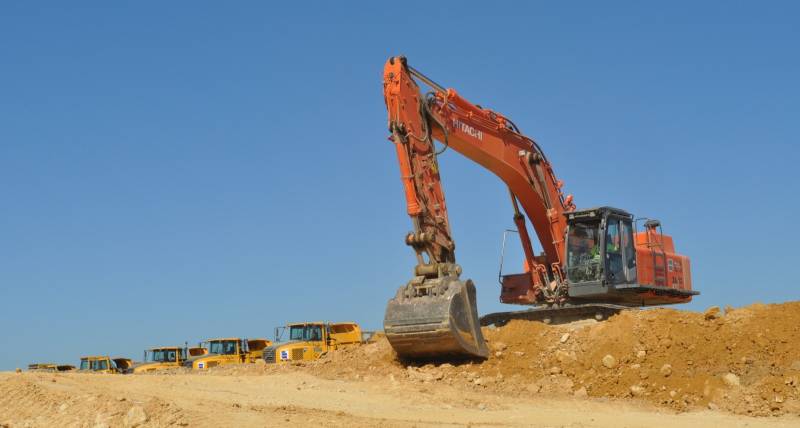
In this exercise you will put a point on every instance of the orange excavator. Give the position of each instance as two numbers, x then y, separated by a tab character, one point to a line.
593	261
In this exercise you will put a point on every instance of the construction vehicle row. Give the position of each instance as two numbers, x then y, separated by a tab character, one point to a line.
306	341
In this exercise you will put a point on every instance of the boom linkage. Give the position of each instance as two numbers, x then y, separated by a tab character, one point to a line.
435	313
493	141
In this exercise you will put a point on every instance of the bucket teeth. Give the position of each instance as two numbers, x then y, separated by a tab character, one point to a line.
435	325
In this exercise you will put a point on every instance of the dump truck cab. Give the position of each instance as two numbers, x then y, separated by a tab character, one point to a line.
163	358
226	351
310	340
105	364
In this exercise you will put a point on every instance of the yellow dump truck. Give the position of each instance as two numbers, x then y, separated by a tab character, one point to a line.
167	357
232	350
105	364
310	340
50	367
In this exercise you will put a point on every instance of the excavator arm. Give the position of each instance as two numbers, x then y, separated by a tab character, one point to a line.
435	314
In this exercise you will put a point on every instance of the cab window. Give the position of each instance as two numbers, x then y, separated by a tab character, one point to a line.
296	332
229	347
612	236
84	364
226	347
614	264
583	252
305	332
163	355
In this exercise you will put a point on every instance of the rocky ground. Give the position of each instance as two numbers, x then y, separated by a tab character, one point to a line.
658	367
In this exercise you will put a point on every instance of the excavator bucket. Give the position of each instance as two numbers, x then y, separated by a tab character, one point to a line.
442	322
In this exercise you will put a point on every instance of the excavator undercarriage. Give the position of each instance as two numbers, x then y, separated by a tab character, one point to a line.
554	315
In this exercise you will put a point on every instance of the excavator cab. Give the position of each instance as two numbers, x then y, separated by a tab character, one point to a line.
599	249
603	249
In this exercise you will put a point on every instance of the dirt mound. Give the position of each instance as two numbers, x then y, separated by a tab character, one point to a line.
23	402
745	361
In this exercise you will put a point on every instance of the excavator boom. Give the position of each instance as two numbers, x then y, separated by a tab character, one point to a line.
435	314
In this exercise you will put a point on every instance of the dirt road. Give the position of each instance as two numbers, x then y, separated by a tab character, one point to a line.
277	399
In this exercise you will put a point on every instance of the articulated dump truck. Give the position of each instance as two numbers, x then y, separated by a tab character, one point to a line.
50	367
226	351
311	340
105	364
165	358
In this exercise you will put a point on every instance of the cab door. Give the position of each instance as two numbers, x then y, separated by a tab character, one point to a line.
612	247
241	350
316	338
628	252
330	342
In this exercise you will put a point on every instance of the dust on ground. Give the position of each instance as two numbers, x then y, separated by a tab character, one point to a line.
659	367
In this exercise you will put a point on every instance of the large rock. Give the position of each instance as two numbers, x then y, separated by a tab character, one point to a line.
609	361
711	313
666	370
581	393
100	421
419	375
731	379
534	388
135	417
499	346
637	390
564	356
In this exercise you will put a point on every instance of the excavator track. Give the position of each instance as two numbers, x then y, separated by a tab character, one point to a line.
554	315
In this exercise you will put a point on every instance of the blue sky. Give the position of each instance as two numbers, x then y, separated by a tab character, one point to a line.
179	171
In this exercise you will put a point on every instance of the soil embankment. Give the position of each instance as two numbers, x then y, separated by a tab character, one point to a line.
660	367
